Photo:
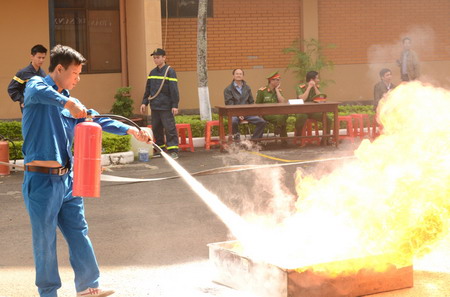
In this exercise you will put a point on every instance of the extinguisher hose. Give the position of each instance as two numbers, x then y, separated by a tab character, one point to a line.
13	144
128	121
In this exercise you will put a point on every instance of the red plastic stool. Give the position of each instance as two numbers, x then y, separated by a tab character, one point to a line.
361	120
308	131
182	144
350	135
208	132
377	129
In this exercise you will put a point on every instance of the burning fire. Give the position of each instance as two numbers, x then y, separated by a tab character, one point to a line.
386	207
392	201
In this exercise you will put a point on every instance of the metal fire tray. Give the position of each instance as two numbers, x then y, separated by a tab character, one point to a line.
268	280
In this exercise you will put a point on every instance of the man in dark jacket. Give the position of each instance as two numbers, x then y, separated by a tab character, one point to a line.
238	92
382	87
162	94
17	84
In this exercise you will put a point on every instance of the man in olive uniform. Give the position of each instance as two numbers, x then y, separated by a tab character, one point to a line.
272	94
307	92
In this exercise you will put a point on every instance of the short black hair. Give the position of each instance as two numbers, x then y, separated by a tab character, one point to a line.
64	55
311	75
38	48
384	71
234	70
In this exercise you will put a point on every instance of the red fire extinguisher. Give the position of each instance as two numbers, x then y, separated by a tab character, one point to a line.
87	159
4	157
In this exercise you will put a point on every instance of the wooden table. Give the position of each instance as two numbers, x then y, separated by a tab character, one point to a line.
273	109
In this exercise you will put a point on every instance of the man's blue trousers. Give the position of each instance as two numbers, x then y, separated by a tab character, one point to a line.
50	204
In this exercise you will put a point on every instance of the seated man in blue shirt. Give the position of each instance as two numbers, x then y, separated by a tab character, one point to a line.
238	92
50	115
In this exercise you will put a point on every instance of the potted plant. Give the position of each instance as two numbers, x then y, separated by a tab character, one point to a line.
308	56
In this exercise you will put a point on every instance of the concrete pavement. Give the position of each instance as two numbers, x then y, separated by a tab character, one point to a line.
150	238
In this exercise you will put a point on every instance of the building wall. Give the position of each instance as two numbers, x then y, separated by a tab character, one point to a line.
248	34
367	35
94	90
17	40
143	35
371	31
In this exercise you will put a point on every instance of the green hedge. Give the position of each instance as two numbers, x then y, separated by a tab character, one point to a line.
349	109
114	143
111	143
15	154
11	130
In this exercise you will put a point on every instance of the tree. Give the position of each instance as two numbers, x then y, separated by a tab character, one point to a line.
202	67
308	56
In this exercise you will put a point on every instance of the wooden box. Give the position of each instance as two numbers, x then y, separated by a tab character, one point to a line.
267	280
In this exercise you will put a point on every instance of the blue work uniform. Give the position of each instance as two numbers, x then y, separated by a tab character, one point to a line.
48	131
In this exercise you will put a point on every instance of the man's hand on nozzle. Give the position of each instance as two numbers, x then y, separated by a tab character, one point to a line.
140	135
77	110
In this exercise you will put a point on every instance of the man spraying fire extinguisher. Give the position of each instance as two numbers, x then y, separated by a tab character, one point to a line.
49	118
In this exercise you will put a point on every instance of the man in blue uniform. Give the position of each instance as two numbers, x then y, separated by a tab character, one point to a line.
17	84
162	93
50	115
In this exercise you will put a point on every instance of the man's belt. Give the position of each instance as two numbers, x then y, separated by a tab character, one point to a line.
47	170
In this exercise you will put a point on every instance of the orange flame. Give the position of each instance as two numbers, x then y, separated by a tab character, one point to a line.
391	202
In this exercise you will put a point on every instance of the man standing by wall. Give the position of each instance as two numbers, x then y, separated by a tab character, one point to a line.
408	62
162	93
17	85
238	92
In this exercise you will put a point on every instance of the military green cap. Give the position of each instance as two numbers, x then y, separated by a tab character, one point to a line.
274	75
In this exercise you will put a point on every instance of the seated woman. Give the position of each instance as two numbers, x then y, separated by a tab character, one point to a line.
272	94
308	92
